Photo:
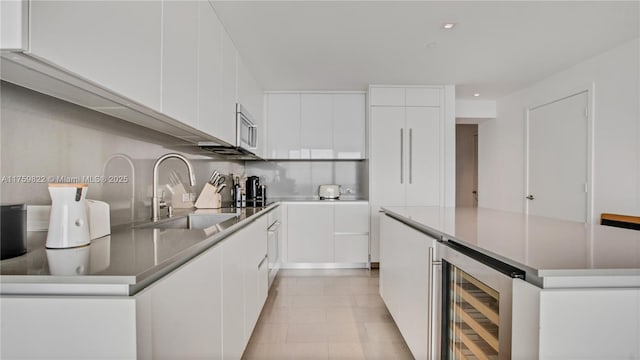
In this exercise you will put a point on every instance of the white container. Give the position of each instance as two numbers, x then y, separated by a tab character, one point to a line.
68	225
99	219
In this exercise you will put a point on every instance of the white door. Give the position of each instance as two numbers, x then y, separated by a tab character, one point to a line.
423	156
388	180
389	139
558	159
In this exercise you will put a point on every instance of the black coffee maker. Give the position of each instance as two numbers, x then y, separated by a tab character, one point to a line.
253	191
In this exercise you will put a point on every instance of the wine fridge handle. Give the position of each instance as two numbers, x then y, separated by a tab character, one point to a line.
433	267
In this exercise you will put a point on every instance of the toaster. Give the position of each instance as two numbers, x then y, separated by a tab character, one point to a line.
329	192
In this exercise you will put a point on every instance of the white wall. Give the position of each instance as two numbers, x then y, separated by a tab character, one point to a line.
42	136
616	147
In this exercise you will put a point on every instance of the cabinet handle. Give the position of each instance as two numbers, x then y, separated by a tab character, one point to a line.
432	304
401	156
262	261
410	155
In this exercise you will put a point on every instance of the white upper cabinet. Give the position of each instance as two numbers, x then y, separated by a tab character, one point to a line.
283	126
318	125
167	65
116	44
225	128
420	96
401	96
13	25
180	60
209	68
386	96
349	126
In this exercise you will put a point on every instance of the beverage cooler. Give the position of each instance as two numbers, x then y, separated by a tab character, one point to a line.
476	304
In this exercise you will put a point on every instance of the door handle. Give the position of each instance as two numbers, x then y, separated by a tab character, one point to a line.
401	156
410	155
530	197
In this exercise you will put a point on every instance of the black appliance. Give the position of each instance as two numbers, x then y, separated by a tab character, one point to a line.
261	199
252	190
13	233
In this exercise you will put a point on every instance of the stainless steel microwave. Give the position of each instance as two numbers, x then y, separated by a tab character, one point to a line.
246	131
246	139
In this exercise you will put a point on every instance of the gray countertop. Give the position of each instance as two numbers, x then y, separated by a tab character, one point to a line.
543	247
123	263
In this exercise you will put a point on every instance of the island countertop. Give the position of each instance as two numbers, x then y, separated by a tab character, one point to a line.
543	247
123	263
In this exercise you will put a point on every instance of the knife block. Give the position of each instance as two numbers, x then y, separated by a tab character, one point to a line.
209	198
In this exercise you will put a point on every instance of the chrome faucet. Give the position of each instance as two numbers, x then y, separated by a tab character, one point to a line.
154	200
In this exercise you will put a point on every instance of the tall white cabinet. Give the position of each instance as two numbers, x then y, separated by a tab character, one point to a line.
412	138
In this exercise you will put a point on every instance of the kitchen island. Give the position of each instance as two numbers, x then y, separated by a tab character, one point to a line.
576	282
169	289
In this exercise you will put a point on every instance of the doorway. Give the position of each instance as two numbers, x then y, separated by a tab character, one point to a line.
557	158
466	165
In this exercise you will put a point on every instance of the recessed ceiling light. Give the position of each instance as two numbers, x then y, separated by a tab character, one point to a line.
448	26
476	94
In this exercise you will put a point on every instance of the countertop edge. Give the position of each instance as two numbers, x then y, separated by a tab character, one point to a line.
115	285
538	277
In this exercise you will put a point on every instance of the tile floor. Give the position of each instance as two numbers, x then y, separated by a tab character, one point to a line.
326	314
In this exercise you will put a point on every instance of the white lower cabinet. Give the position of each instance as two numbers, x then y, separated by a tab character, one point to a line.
186	310
326	232
255	237
205	309
404	281
575	323
69	327
310	233
351	248
233	297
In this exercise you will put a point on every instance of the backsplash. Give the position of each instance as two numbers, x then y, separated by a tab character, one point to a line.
301	179
45	139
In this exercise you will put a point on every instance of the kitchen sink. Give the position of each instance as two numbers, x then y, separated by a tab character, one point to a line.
192	221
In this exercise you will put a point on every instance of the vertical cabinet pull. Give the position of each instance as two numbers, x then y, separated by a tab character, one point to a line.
432	303
410	155
401	156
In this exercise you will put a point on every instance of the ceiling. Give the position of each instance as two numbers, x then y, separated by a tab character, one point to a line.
496	47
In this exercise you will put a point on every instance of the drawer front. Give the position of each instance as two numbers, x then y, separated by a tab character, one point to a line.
351	218
351	248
